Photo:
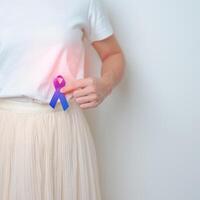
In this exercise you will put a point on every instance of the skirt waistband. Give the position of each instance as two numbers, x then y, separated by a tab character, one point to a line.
30	106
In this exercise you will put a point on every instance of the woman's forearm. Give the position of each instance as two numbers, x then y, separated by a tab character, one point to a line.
113	69
91	91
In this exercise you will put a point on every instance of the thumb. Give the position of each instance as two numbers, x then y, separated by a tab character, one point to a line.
68	88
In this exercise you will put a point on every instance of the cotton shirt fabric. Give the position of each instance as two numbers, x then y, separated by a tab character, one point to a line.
42	39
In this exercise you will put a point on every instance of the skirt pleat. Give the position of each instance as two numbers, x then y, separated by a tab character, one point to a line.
46	154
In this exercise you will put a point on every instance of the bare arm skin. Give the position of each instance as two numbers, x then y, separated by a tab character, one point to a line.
90	92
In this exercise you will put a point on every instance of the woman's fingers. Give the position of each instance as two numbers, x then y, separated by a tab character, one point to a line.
92	104
87	92
81	83
77	84
88	98
67	90
83	92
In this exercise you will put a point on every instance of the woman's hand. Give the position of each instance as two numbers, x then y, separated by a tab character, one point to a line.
89	92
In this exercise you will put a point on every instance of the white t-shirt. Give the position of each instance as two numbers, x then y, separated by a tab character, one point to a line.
42	39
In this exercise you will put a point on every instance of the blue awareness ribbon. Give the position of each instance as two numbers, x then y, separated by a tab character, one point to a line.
59	95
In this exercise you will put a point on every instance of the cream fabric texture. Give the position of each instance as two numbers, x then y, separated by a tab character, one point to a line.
46	154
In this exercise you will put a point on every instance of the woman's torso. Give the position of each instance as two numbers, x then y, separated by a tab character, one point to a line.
38	41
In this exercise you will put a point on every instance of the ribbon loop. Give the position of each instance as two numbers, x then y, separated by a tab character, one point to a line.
57	94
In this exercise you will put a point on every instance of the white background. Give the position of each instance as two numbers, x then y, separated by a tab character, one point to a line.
147	133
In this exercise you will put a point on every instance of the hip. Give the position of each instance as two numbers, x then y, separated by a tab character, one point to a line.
9	105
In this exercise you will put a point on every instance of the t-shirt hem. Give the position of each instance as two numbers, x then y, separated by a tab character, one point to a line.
101	36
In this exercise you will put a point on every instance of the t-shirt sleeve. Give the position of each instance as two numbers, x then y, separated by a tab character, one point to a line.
99	26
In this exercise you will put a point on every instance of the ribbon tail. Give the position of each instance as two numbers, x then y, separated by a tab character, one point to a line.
63	101
54	99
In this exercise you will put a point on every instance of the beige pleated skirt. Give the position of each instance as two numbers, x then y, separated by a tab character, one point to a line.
46	153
